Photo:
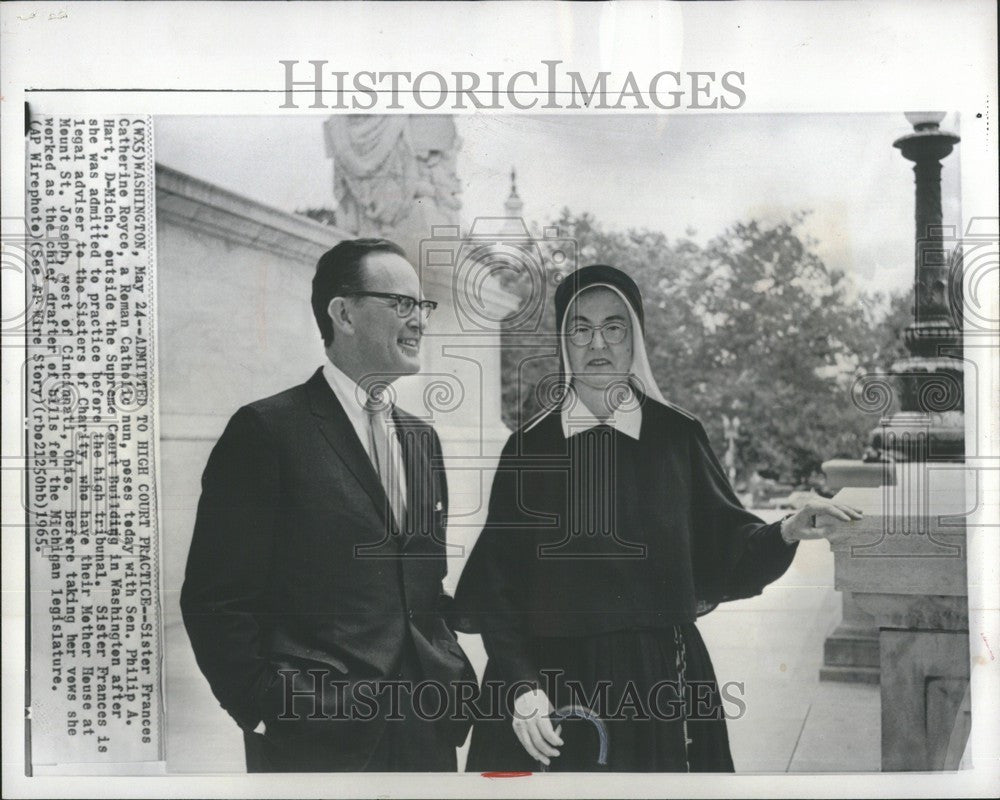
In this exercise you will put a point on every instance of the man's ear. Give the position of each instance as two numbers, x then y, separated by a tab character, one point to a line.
341	315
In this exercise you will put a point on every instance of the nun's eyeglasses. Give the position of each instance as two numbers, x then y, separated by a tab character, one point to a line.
612	332
403	302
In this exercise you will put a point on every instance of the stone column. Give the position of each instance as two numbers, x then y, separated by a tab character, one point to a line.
905	566
929	424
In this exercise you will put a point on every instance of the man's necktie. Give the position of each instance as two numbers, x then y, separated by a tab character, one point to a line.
381	441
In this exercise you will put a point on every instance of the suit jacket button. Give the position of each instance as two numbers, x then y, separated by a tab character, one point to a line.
410	613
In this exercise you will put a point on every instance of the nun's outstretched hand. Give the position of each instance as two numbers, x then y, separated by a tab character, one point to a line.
534	728
821	519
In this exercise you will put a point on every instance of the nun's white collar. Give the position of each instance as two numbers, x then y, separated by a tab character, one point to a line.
576	417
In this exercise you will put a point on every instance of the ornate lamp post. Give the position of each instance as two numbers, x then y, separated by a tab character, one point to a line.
929	425
904	564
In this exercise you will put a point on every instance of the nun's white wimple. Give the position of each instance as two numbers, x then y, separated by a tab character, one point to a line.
640	373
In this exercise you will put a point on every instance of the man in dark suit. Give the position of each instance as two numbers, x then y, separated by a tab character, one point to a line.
313	595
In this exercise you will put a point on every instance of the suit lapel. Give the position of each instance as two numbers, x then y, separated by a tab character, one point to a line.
417	473
409	450
343	439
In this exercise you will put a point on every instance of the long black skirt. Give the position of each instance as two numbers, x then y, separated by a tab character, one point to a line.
654	690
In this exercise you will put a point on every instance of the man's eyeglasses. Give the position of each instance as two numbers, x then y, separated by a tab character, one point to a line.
583	335
404	303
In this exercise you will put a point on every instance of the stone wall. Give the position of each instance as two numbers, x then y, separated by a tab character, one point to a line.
235	324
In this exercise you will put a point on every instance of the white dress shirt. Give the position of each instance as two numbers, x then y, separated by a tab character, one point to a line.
352	397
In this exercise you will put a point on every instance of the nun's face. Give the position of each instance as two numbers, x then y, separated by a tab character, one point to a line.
600	315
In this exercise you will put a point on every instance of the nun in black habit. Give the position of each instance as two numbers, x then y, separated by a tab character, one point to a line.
611	526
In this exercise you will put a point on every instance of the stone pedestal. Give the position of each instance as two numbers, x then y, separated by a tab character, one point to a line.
851	652
842	473
905	566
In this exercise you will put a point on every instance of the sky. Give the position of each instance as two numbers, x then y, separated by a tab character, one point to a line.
671	173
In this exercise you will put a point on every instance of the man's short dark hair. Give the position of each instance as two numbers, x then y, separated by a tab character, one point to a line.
341	270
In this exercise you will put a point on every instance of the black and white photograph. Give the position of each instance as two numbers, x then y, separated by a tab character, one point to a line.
555	424
756	346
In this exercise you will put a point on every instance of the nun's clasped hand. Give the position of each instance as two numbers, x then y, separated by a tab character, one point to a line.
819	519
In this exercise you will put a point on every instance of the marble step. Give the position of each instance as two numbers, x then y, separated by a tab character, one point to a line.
851	648
842	674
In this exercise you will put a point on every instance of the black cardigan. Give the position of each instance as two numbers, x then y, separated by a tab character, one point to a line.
600	532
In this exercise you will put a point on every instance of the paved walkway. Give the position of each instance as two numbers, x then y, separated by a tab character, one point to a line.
772	644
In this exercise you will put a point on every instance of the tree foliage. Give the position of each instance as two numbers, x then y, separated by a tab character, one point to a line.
751	324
